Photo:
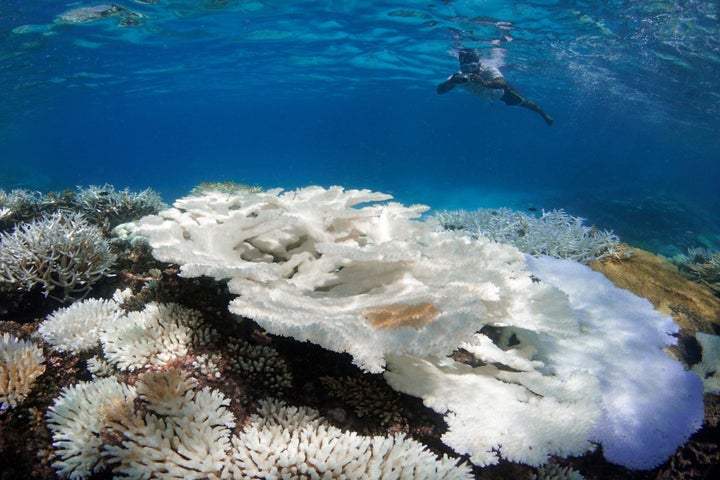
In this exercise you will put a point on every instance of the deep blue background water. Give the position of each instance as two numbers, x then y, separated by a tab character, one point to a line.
343	92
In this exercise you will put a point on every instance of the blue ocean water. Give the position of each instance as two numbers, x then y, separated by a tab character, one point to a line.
167	94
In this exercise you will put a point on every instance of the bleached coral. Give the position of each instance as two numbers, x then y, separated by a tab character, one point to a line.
78	420
184	435
77	328
292	442
343	270
59	252
154	336
21	363
364	280
20	205
540	395
162	428
554	233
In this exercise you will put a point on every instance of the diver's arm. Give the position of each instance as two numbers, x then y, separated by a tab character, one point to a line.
453	80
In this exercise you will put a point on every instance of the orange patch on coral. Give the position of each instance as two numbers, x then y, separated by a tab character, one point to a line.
394	316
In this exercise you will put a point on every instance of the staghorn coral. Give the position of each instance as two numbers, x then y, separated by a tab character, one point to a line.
58	252
21	363
295	442
554	233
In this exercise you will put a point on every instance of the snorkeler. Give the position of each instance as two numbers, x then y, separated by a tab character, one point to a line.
485	80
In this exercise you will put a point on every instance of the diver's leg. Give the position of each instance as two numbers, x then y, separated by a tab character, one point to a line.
530	105
513	98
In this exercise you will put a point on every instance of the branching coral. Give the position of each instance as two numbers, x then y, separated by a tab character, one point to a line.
261	363
59	252
21	205
167	428
21	362
105	206
77	328
366	397
162	428
292	442
554	233
184	435
154	336
78	420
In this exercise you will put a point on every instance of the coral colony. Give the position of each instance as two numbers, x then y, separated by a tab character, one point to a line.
527	357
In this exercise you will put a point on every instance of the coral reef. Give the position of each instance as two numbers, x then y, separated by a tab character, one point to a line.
228	187
554	233
21	363
103	206
155	336
528	380
368	278
61	252
165	427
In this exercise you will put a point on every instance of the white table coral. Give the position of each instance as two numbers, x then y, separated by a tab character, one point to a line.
366	280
